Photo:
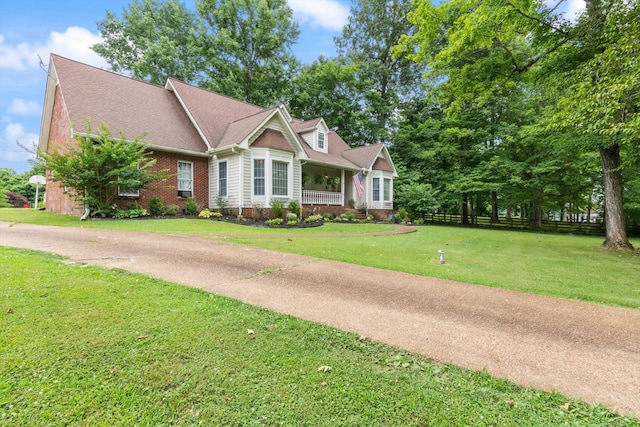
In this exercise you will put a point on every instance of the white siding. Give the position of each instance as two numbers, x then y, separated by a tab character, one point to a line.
247	179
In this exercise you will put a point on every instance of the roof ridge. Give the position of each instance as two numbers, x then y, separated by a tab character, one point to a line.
115	73
264	110
217	93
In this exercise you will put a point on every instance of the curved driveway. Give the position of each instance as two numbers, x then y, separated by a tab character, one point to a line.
582	350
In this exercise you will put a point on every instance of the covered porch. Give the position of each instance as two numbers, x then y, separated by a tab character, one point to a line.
323	186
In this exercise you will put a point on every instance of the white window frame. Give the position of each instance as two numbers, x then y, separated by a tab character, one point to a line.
322	137
262	179
274	179
182	180
375	189
387	189
224	179
125	193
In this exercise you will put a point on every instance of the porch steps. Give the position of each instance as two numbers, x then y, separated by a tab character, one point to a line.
359	215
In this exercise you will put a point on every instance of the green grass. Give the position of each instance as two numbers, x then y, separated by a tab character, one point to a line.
556	265
83	345
562	266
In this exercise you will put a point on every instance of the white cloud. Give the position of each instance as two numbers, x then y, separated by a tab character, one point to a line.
574	8
570	9
329	14
24	108
74	43
13	135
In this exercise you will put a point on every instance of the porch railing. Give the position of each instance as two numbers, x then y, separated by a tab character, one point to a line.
313	197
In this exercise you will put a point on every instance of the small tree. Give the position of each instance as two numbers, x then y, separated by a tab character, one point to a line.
418	199
98	165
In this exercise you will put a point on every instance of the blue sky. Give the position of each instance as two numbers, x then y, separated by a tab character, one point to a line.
29	28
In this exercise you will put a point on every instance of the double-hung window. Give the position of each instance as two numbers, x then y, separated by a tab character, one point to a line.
321	137
222	179
387	190
279	178
185	179
375	188
258	177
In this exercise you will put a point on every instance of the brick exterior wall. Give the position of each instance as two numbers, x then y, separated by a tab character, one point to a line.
168	190
59	134
59	202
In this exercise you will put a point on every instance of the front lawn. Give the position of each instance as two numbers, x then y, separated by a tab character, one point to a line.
562	266
83	345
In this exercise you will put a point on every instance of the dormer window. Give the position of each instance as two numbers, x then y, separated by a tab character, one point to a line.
321	140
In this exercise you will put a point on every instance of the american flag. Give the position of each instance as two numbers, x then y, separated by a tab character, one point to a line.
357	180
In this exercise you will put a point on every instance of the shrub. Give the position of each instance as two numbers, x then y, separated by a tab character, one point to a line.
222	204
216	215
206	213
156	206
4	201
313	218
130	212
258	212
294	207
191	206
291	217
418	200
171	210
292	223
402	214
347	216
16	200
240	217
274	222
277	208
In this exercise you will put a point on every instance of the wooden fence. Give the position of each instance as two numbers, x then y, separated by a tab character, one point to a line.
583	228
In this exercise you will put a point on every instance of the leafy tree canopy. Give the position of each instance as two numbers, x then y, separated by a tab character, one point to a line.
238	48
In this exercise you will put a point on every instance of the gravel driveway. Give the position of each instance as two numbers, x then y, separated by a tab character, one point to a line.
582	350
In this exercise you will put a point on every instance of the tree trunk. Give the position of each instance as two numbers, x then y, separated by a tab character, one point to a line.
616	234
465	209
494	207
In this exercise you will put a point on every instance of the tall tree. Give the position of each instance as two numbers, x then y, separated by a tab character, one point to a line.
153	40
374	28
592	67
328	88
240	48
252	39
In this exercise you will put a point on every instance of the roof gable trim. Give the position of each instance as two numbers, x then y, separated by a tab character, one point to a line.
170	87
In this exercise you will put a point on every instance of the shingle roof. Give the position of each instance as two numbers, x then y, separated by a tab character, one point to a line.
382	165
301	126
116	100
272	138
336	148
240	129
363	156
184	117
214	113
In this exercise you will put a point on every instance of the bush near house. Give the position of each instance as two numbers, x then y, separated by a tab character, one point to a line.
16	200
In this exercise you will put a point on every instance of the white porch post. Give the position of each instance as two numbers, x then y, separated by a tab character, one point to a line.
342	186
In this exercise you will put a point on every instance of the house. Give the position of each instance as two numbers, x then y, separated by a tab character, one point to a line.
219	150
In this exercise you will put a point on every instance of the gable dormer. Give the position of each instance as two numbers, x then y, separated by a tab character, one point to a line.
315	133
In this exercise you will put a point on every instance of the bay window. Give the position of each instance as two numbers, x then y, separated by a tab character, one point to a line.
279	178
